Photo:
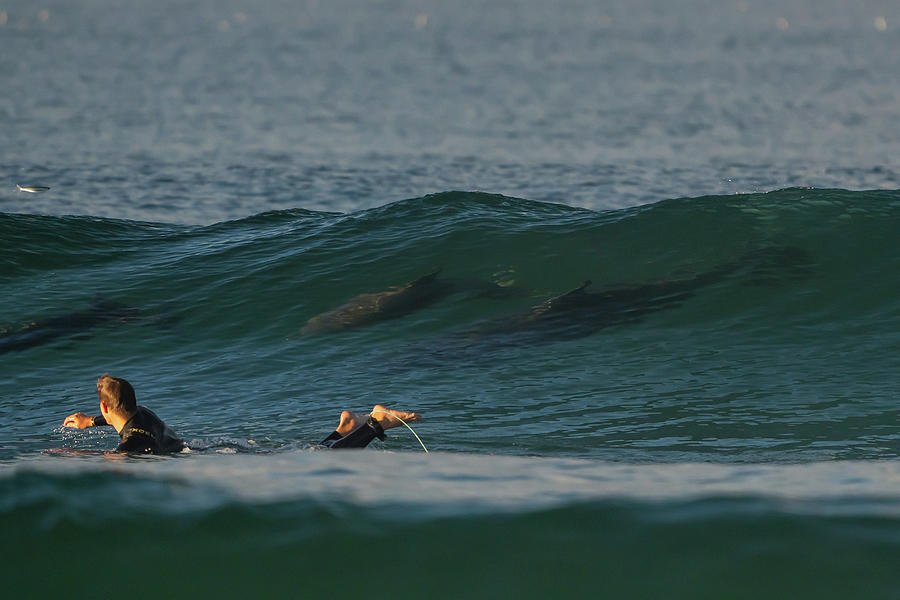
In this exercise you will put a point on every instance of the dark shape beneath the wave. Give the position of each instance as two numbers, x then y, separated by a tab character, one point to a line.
369	308
579	312
80	323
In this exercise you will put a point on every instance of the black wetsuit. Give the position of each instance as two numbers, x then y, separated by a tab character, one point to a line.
358	438
144	432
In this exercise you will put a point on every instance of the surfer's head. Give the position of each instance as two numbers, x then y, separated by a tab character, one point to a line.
117	394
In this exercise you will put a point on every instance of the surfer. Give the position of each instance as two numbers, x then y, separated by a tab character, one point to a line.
138	426
142	431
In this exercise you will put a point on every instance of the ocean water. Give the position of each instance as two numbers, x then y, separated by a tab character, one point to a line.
635	263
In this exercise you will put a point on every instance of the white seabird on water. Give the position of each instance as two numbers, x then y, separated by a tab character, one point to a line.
32	188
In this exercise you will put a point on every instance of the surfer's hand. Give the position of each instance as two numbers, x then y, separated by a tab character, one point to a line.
78	421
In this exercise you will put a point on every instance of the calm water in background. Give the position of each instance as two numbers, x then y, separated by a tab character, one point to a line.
241	168
204	111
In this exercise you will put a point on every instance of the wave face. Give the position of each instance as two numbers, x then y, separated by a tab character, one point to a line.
737	328
754	335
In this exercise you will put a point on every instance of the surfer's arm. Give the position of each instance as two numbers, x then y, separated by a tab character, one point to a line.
80	420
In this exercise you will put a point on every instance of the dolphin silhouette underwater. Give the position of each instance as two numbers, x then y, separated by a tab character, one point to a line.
580	312
576	313
42	331
369	308
398	301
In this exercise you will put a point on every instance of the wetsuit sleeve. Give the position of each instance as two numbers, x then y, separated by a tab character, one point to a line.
100	421
358	438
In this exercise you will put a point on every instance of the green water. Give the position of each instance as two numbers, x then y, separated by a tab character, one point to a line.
718	406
